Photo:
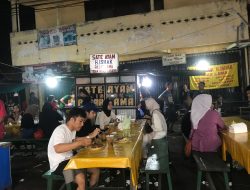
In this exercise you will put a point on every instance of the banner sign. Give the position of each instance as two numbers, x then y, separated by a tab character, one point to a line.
122	94
218	76
95	91
60	36
37	74
104	63
173	59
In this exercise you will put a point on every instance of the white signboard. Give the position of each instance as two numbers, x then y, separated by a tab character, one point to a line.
173	59
104	63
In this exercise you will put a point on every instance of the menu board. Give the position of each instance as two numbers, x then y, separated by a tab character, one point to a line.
122	94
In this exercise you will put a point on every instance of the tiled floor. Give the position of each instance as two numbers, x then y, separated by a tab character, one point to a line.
27	172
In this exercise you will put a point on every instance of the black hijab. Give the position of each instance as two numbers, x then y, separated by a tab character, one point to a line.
105	107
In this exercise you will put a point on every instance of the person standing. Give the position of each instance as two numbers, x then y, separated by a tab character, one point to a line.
185	93
62	141
3	114
158	125
68	100
33	99
169	107
186	124
201	87
49	118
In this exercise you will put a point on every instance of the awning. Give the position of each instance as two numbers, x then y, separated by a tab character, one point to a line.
9	88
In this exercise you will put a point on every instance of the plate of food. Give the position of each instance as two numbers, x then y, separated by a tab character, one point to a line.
96	146
122	140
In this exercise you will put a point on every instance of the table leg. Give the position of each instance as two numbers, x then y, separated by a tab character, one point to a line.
159	181
147	181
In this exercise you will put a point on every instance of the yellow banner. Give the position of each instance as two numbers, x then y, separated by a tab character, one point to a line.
218	76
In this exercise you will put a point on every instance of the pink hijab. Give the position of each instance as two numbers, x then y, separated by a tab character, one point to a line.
201	104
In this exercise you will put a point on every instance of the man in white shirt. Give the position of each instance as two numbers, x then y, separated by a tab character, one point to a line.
61	144
89	127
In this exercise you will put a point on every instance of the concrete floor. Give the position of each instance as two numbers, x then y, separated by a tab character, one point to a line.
27	171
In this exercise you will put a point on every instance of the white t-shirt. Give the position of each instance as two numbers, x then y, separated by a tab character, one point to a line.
102	119
61	134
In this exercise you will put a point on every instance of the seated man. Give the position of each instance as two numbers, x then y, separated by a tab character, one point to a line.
89	127
60	147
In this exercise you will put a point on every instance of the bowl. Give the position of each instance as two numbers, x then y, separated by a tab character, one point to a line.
109	138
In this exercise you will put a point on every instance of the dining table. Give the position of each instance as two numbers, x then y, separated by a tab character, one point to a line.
117	154
236	144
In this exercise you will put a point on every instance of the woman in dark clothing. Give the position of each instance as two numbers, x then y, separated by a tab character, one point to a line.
49	119
186	124
186	120
28	125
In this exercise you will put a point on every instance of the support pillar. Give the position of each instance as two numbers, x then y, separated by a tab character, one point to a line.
15	16
152	5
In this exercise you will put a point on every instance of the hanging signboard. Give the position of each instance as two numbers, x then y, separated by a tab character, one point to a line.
96	93
173	59
60	36
218	76
122	94
104	63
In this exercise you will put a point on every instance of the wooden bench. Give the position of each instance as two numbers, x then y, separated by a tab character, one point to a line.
50	177
158	163
210	162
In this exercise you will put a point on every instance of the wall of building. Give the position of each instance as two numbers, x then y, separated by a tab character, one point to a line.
205	27
170	4
61	16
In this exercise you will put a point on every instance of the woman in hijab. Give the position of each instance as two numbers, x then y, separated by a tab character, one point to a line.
27	123
158	125
206	124
106	116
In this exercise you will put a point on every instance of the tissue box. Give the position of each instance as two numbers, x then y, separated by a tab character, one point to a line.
238	128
